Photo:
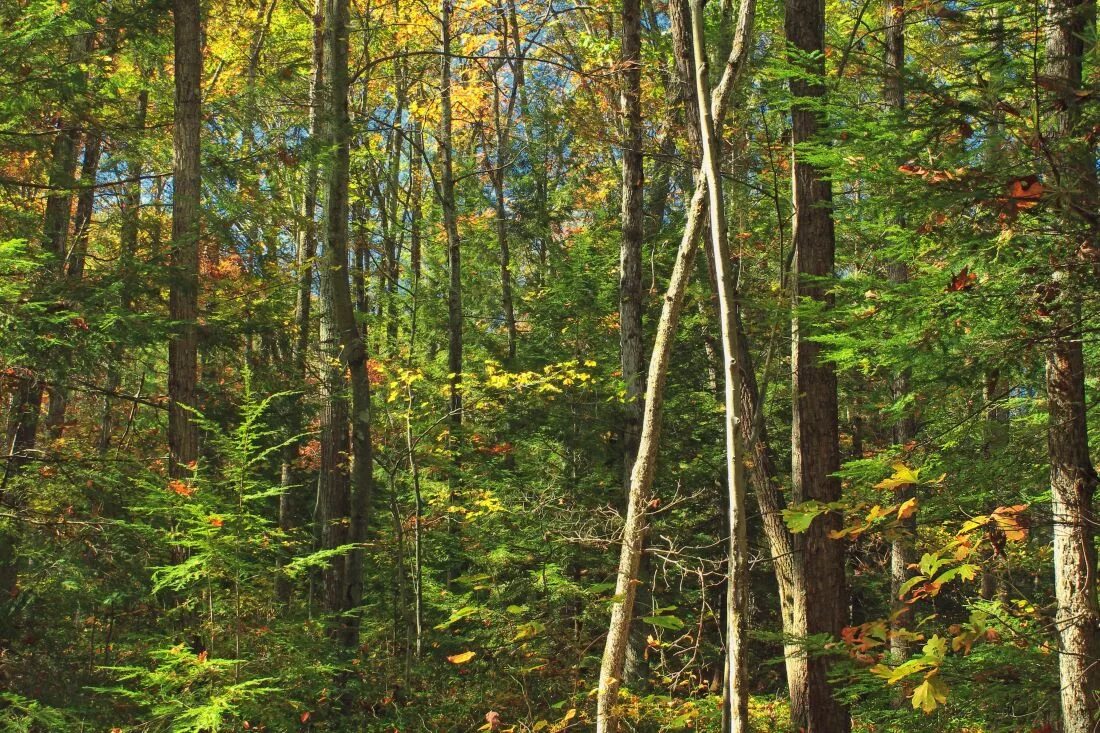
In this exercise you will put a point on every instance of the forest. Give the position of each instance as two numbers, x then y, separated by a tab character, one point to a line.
528	366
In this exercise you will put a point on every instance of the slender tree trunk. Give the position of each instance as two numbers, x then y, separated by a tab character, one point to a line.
902	551
346	597
183	296
1073	478
454	266
641	480
815	450
292	506
630	249
736	692
128	247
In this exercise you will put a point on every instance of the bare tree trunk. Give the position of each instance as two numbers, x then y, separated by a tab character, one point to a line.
454	262
1073	478
736	692
347	595
292	506
183	296
641	479
630	250
815	450
128	246
902	552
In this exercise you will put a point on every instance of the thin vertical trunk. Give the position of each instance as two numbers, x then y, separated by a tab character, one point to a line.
644	469
815	450
736	692
183	296
128	246
454	262
346	597
292	503
1073	478
902	550
630	248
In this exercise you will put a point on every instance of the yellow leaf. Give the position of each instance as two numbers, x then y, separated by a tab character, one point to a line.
461	658
908	508
903	476
569	715
930	693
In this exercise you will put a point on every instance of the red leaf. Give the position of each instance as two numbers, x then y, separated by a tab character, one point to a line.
963	280
304	717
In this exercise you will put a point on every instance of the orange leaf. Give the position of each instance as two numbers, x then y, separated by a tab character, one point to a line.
304	717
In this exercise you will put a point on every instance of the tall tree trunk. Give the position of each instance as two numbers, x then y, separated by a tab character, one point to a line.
815	450
183	296
1073	478
641	478
128	246
73	265
902	551
454	263
292	504
630	248
346	597
736	693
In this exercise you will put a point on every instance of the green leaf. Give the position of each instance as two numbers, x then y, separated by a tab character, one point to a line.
665	622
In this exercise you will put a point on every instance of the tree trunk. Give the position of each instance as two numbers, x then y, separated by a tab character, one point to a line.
347	594
454	266
736	692
630	250
183	296
292	507
1073	478
641	478
902	551
815	450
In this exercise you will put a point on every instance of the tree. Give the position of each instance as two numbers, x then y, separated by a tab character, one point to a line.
183	296
815	451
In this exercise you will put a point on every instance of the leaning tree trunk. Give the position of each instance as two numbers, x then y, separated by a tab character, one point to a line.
815	451
183	295
645	466
736	692
1073	478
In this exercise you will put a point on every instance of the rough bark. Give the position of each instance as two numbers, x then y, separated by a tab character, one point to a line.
1073	478
630	250
183	295
815	451
347	595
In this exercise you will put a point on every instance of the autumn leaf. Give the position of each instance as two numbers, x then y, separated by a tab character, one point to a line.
931	693
962	281
304	717
908	508
461	658
903	476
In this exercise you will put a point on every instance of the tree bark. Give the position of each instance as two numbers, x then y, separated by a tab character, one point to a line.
630	250
346	595
292	509
815	451
902	551
183	296
644	469
1073	478
736	692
